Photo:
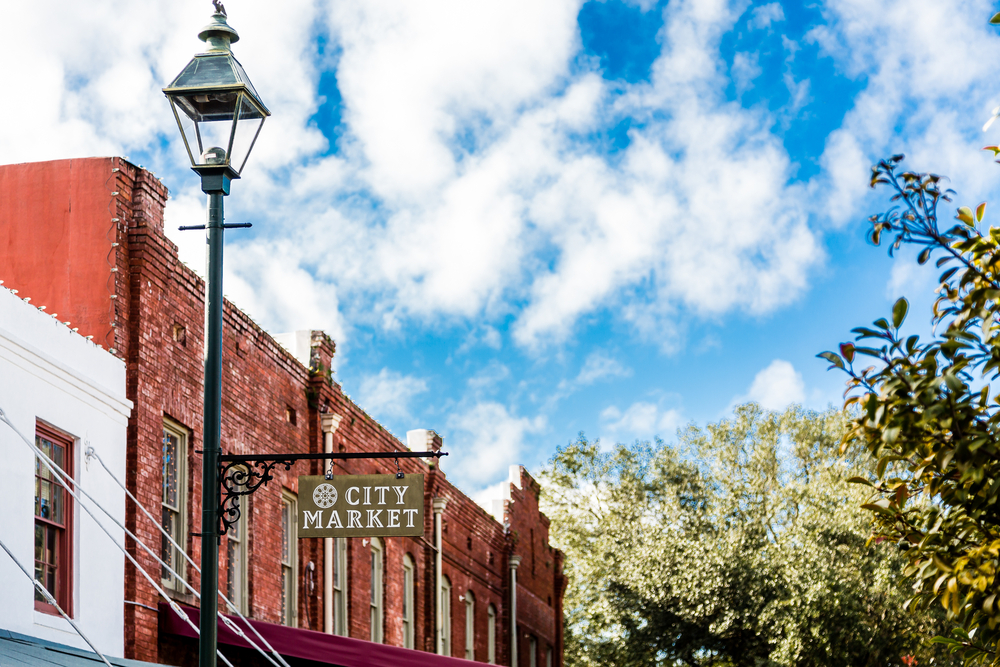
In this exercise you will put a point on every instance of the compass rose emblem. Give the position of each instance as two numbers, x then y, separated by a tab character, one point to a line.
324	495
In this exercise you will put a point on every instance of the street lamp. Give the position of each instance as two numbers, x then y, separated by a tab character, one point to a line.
219	115
216	107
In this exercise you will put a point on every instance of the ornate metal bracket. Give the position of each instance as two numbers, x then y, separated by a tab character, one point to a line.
242	475
242	479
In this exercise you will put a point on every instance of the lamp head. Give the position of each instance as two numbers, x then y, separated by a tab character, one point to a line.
217	109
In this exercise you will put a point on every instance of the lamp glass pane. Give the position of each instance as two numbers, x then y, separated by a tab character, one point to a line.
212	114
247	129
188	133
213	141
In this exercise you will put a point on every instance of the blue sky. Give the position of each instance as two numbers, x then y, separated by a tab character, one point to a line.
526	219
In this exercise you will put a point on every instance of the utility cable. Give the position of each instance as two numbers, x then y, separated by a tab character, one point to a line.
52	601
91	452
162	563
61	477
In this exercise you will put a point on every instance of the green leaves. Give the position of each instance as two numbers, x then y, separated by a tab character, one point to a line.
899	310
847	350
833	358
740	545
965	215
926	420
996	19
881	506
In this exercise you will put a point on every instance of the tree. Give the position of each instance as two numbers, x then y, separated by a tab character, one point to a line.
923	410
742	545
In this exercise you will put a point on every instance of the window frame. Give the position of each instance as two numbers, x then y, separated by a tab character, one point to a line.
470	625
238	534
66	550
376	616
532	651
445	615
340	586
409	614
491	634
176	560
289	559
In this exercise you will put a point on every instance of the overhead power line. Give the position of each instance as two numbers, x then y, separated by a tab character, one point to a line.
61	477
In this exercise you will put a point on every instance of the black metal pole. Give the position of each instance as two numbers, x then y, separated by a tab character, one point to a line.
212	426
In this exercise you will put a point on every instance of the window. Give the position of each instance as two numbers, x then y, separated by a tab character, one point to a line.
470	625
491	635
409	576
532	553
236	556
340	586
445	616
548	656
533	652
289	560
173	503
53	523
376	592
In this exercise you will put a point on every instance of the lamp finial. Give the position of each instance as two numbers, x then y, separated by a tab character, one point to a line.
218	34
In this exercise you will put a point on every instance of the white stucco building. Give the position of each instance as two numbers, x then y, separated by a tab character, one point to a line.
67	394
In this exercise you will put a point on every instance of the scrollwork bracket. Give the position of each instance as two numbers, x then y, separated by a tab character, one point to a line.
241	478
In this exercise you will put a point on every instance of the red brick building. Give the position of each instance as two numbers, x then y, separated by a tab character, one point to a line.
85	239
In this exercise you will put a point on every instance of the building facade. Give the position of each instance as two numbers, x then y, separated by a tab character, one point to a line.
64	394
99	224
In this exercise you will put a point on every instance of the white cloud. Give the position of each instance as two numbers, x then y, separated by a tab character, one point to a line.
461	189
459	175
95	88
641	420
388	393
765	15
486	439
909	279
491	498
483	335
187	208
746	67
414	73
777	386
928	69
272	284
489	377
462	127
599	366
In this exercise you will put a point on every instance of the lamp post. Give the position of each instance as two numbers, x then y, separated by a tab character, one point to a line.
219	116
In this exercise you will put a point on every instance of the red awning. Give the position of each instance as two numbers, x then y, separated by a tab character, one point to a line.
312	645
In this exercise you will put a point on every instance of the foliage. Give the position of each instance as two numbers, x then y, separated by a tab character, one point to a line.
923	411
743	545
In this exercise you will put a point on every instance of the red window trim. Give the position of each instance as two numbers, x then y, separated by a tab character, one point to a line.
65	574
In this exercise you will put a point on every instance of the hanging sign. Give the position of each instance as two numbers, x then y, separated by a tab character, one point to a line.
361	506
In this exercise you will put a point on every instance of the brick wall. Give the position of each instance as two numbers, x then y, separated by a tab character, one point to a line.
149	307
